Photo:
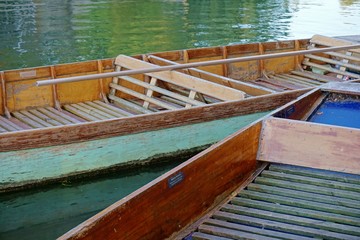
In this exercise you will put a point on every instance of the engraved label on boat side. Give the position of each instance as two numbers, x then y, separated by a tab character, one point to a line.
286	112
28	74
176	179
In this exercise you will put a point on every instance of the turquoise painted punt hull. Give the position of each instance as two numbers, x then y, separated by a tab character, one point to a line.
38	165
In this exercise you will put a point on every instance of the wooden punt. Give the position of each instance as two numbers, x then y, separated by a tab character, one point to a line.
74	129
294	174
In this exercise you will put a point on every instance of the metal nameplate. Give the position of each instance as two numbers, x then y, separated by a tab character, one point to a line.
176	179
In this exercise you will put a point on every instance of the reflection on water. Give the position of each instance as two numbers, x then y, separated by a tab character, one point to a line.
39	32
48	213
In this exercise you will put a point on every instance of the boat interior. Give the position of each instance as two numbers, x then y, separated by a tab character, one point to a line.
23	105
289	175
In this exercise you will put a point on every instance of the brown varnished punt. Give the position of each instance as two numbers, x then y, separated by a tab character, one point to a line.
148	208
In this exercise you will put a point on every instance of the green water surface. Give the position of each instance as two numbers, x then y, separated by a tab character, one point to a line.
42	32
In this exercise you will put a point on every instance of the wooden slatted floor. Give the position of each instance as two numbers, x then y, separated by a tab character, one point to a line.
288	202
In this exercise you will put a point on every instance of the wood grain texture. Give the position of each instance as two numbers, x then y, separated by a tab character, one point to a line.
156	211
311	145
130	125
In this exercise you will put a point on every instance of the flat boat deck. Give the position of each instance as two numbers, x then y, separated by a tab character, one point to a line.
288	202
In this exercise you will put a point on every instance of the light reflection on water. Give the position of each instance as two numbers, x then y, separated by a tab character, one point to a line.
35	32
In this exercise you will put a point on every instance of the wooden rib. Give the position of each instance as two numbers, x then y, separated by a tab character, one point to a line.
225	66
62	115
56	117
332	61
261	62
330	69
7	124
297	58
96	111
128	105
54	89
4	94
28	121
45	118
112	113
101	81
142	96
183	80
113	108
311	75
80	113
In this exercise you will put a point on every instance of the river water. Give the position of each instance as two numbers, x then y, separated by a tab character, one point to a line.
43	32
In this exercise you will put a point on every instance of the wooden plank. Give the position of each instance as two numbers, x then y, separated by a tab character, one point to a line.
307	81
183	80
45	118
88	111
305	195
229	233
113	108
96	110
330	69
316	173
8	125
163	91
35	118
284	227
290	219
311	75
54	116
312	181
251	229
2	130
300	203
327	147
63	115
290	79
348	88
296	211
308	188
80	113
204	236
332	61
104	109
129	105
28	121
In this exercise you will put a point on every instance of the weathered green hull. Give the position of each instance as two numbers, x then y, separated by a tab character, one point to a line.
33	166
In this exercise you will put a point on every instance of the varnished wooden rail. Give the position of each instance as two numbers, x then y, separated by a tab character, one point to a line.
191	65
